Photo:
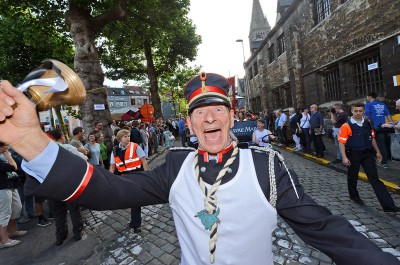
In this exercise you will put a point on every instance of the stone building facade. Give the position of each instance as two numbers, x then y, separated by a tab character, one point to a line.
323	51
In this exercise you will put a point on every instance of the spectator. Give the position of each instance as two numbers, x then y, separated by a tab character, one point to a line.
10	203
303	124
316	132
280	122
267	118
167	136
103	150
182	132
145	139
338	118
114	126
98	126
376	112
154	138
135	133
94	148
123	165
60	208
293	118
77	137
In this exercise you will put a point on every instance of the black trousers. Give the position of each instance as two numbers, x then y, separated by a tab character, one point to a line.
366	159
136	217
60	217
318	143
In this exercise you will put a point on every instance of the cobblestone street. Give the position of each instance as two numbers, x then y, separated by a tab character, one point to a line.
110	241
157	244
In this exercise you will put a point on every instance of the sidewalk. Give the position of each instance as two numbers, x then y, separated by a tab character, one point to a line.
389	176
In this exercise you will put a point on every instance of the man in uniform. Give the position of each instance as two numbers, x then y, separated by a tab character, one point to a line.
224	200
357	143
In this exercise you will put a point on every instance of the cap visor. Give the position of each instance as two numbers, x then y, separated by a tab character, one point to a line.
204	101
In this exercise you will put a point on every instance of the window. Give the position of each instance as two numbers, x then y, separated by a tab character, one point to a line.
133	102
281	44
367	76
255	67
322	10
331	85
282	97
139	101
250	73
271	53
145	101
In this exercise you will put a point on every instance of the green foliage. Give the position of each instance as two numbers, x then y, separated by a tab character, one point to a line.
26	41
163	26
171	85
73	113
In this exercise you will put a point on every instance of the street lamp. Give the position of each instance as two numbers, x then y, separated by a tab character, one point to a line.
245	79
240	40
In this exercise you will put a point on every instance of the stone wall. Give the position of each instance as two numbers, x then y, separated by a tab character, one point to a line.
352	30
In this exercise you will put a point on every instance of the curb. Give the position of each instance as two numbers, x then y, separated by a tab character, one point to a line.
393	187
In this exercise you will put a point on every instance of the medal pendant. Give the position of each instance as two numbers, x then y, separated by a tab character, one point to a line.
208	219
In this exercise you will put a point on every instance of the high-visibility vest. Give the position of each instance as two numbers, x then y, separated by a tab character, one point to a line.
131	160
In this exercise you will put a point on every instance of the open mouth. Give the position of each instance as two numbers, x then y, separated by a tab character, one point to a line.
212	134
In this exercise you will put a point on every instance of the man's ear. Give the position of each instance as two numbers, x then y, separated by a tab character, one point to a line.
189	123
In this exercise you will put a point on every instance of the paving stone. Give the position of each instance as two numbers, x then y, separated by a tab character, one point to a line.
393	240
288	253
145	257
167	259
308	260
169	248
304	251
284	243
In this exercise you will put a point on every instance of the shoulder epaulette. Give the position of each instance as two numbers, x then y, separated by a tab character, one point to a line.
175	149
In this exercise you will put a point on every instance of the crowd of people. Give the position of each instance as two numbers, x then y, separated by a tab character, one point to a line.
20	207
361	136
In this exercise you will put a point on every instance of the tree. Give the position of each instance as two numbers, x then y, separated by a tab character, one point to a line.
171	86
151	50
26	42
84	19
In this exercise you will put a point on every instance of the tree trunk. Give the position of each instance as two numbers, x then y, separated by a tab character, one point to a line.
152	75
87	66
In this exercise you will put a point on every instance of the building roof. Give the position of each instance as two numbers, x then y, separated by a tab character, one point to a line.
259	26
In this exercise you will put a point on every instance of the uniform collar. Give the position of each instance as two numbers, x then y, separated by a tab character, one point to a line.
219	155
353	121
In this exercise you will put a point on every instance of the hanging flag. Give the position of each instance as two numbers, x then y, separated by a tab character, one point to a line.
232	92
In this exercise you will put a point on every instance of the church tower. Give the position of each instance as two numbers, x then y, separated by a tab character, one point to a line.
259	26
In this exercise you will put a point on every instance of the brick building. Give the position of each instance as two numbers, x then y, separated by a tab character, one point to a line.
323	51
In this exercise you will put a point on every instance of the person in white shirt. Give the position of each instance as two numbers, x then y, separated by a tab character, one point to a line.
262	136
280	127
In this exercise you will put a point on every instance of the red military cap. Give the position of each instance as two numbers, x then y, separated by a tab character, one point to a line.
207	89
